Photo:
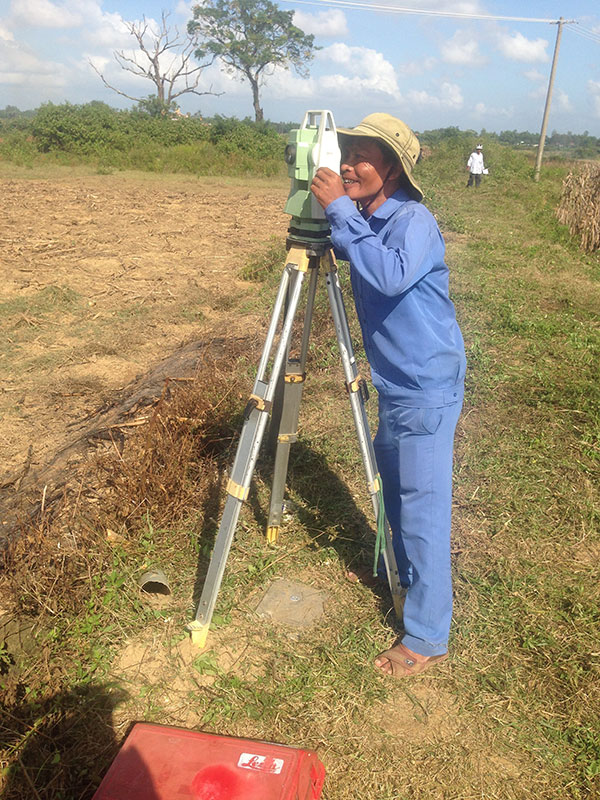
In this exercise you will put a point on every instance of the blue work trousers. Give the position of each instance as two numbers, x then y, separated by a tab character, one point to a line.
414	449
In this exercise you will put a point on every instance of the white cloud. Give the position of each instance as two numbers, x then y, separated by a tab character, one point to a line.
562	101
108	33
483	110
463	49
329	24
517	47
539	93
101	63
593	88
284	85
417	67
534	75
185	8
449	96
44	14
6	35
365	69
19	66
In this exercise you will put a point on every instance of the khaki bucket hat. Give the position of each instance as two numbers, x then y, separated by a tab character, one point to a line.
398	137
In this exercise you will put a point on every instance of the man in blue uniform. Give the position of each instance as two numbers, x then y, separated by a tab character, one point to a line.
416	353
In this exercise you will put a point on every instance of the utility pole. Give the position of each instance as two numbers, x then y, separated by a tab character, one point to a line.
540	152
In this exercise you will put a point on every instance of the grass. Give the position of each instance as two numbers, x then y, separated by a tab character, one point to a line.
515	712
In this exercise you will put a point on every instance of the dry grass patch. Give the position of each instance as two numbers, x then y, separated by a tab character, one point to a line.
579	206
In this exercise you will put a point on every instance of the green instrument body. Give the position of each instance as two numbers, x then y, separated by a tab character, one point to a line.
309	147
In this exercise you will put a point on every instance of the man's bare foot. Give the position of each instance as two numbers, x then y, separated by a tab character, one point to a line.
400	662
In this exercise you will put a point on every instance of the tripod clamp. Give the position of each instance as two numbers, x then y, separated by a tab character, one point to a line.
258	403
359	384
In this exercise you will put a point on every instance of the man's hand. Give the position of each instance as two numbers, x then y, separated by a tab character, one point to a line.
326	186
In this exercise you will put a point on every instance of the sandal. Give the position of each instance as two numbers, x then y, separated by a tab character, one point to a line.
400	662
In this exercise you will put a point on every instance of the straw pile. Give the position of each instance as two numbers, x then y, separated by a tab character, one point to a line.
579	206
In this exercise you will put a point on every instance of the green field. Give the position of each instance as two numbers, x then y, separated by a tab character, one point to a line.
513	714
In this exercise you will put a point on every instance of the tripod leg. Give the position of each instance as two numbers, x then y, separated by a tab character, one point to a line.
256	416
357	390
287	418
275	421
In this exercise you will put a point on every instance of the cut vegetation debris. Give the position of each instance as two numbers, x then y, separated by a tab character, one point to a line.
512	715
579	206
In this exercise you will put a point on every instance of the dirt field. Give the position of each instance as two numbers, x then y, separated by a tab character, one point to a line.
104	276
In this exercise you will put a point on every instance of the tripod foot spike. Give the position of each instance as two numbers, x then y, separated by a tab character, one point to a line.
273	534
398	601
198	633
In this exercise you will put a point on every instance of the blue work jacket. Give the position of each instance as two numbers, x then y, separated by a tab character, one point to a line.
400	284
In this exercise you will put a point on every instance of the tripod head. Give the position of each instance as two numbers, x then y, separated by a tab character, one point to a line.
309	147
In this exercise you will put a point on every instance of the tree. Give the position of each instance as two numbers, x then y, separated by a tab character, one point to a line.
251	37
10	112
165	58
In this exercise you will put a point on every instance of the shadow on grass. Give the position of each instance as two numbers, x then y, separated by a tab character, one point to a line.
323	505
327	511
58	745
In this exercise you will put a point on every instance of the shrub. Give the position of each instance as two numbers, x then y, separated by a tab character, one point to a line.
136	139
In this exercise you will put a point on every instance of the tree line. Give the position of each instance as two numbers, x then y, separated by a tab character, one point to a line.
583	145
579	145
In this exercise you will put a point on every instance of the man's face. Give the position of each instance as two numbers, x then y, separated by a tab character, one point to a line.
365	172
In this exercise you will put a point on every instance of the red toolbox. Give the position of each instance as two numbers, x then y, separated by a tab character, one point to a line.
157	762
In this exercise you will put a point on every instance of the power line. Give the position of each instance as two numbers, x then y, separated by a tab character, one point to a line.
424	12
589	30
586	34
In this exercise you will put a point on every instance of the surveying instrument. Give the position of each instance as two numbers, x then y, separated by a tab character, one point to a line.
279	382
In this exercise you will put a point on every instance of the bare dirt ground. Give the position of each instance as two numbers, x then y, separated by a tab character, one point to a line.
103	276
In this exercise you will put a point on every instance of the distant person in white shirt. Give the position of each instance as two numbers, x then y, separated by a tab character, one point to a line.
475	166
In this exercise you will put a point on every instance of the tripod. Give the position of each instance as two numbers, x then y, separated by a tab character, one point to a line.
278	394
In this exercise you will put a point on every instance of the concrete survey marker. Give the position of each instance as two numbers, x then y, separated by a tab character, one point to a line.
291	603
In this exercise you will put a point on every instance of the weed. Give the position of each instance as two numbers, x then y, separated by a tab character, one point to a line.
269	263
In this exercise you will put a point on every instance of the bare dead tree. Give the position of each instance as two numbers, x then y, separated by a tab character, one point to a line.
165	58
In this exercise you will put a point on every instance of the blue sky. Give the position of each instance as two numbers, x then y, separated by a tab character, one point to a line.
431	71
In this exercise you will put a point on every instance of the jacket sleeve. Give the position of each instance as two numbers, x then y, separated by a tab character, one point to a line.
391	265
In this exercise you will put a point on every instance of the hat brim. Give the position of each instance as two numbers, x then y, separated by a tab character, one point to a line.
365	130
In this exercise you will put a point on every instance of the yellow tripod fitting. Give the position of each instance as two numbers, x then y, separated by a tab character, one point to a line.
198	633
